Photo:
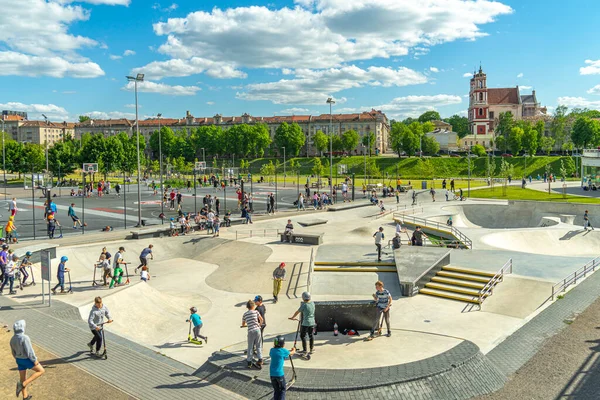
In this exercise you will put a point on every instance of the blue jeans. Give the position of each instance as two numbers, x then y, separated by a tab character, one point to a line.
279	390
8	279
61	283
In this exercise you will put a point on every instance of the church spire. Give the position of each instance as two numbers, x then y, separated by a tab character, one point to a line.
480	69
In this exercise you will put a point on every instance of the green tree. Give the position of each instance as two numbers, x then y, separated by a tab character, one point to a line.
33	156
396	135
478	150
372	168
337	143
209	138
350	140
368	140
547	144
261	140
585	132
112	158
427	127
291	137
505	124
501	143
430	145
83	118
167	139
267	169
321	142
515	140
558	125
318	169
63	155
429	116
460	125
530	140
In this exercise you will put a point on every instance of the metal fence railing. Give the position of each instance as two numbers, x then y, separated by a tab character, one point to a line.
462	238
572	279
498	277
256	233
310	270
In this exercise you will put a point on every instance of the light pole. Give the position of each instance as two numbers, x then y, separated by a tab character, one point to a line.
331	102
283	166
4	157
203	157
46	130
365	176
162	203
469	181
136	79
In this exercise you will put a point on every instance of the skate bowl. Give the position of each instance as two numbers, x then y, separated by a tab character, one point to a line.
517	214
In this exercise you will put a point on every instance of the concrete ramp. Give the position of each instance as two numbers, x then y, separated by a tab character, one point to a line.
552	241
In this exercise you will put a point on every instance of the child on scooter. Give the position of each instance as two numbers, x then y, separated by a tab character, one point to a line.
23	268
197	322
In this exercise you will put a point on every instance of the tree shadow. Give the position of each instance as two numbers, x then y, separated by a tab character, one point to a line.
585	382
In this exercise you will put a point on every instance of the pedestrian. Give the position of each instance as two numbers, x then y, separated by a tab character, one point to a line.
397	197
278	278
278	356
447	194
452	185
383	302
418	236
3	260
379	236
248	215
12	207
189	186
345	191
432	193
586	221
9	275
272	202
269	203
262	310
11	230
74	217
253	320
197	322
22	351
118	189
307	309
172	200
460	194
251	202
106	270
147	252
96	323
60	274
179	197
217	205
444	184
414	197
216	226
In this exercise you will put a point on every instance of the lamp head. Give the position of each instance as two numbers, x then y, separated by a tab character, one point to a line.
140	77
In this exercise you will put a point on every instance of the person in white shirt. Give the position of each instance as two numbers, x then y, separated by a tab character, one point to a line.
379	236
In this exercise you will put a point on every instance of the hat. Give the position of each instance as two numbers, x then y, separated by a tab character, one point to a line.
258	298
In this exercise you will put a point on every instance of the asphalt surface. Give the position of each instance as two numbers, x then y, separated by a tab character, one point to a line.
121	212
566	367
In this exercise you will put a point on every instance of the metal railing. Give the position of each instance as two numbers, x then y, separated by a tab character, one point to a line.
310	270
436	225
256	233
581	273
499	277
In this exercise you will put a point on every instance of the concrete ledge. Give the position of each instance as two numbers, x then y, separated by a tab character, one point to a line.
348	206
151	232
303	238
312	222
416	266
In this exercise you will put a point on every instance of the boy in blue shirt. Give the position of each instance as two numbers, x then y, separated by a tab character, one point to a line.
278	355
60	275
197	322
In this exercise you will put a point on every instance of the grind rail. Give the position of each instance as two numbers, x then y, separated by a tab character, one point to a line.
588	268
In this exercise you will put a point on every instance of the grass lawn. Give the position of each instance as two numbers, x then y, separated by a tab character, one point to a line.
516	193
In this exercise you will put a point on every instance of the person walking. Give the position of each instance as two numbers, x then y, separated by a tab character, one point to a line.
414	197
74	217
96	323
253	320
278	278
452	185
9	275
432	193
60	274
12	207
147	252
418	236
11	230
307	309
118	189
586	221
22	351
262	310
272	203
217	205
379	236
383	302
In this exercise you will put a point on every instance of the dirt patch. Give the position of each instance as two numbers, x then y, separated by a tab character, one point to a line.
61	380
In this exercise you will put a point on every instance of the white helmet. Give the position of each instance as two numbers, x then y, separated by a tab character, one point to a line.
305	296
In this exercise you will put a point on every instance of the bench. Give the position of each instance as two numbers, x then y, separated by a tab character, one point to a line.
151	232
303	238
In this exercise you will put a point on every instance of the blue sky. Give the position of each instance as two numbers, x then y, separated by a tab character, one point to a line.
66	58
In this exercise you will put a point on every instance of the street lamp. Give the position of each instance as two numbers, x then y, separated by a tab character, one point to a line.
365	152
46	130
283	166
135	80
331	102
4	156
203	157
162	203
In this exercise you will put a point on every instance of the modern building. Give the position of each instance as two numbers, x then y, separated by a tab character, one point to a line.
447	139
486	105
363	123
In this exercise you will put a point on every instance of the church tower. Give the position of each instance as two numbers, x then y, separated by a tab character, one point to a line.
479	119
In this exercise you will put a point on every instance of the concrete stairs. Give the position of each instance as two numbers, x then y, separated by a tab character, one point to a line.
457	283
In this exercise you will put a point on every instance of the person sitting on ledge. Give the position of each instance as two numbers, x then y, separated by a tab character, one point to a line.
289	231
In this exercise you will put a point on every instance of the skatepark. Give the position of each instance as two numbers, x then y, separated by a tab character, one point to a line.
438	334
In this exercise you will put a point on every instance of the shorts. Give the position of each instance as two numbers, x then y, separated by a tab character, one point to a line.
74	218
23	364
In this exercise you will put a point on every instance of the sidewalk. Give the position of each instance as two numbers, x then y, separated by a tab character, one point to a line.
137	370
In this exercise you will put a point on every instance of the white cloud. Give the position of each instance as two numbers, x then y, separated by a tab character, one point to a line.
36	110
413	106
323	33
109	115
172	7
115	57
346	110
132	105
468	75
434	69
525	87
193	66
40	28
594	90
98	2
128	53
210	103
593	68
315	86
520	75
13	63
153	87
579	102
295	110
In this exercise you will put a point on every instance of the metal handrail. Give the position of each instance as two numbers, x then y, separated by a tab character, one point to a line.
499	277
310	269
589	267
256	232
439	226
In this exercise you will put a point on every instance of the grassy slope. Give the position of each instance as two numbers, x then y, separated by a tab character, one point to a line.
516	193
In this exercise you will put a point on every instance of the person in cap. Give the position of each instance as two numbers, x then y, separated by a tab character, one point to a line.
278	356
278	278
262	310
197	322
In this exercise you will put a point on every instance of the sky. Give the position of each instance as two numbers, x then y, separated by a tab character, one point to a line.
67	58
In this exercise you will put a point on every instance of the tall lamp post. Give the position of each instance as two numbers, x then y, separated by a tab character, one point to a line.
203	157
135	80
283	166
4	156
365	176
331	102
162	203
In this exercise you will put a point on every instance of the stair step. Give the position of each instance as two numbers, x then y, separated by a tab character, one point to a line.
449	295
355	269
466	277
355	263
452	288
458	282
468	271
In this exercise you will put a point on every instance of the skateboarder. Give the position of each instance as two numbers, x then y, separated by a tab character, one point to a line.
22	351
253	320
383	302
418	236
379	236
278	277
307	308
73	216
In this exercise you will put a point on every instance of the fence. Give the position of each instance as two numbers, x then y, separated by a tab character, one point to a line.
581	273
436	225
499	277
310	270
257	233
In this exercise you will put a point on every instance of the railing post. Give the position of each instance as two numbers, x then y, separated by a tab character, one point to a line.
552	293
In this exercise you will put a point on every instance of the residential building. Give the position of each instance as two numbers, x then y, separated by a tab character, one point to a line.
447	139
21	114
11	124
442	125
42	132
107	127
486	105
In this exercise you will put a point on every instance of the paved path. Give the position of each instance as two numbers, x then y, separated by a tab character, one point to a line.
137	370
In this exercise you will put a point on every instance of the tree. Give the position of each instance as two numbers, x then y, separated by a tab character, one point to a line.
530	140
501	142
505	124
506	170
460	125
478	150
429	116
547	144
337	143
515	140
427	127
430	145
262	140
321	141
350	140
167	142
558	126
63	155
318	169
291	137
585	132
83	118
396	137
267	169
368	140
372	168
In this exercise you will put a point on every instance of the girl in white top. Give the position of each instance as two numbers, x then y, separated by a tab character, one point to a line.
144	275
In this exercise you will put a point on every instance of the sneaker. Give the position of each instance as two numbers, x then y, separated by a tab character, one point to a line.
206	339
249	364
19	388
260	362
53	291
311	351
98	354
91	346
389	334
